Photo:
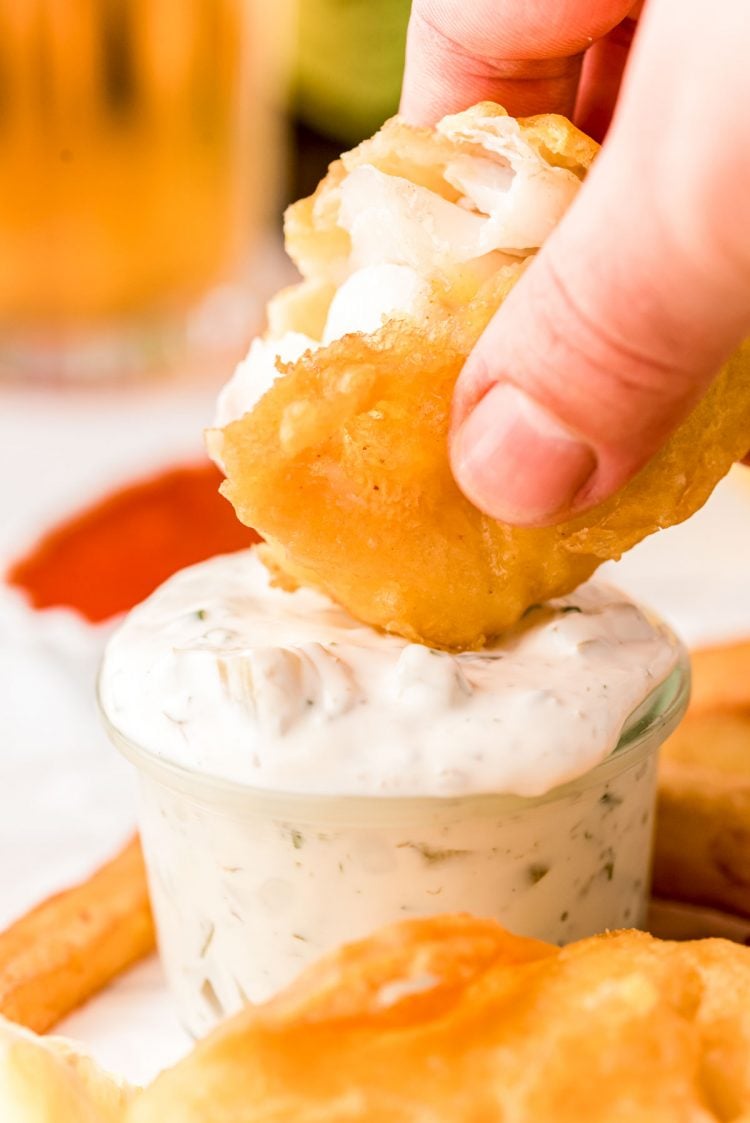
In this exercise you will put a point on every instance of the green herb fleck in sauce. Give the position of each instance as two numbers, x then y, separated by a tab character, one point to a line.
432	855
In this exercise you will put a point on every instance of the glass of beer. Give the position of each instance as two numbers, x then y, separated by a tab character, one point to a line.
137	171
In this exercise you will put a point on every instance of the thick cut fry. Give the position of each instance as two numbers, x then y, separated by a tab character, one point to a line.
69	947
614	1029
702	846
343	464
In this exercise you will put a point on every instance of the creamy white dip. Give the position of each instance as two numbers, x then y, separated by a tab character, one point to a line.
332	779
307	743
223	673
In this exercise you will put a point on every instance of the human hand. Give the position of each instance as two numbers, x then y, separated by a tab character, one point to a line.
642	291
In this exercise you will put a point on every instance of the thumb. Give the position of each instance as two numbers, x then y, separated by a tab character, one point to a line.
601	349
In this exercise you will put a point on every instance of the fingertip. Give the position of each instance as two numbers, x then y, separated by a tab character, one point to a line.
516	462
414	108
424	92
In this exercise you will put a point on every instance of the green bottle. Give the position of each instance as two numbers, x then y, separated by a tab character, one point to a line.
350	60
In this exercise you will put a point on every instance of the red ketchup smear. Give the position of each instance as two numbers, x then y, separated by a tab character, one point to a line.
110	556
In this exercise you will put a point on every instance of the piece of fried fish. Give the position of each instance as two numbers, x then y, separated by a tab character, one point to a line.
333	433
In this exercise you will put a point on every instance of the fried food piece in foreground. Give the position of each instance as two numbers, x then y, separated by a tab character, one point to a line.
614	1029
342	465
70	946
702	842
48	1080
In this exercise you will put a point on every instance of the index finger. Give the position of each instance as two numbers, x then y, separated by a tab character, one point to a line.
525	56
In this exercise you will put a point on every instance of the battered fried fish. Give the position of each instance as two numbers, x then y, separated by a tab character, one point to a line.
451	1019
408	247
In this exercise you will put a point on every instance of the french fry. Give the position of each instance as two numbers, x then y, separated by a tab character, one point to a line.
70	946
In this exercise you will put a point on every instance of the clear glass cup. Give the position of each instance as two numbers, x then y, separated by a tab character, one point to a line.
249	886
138	165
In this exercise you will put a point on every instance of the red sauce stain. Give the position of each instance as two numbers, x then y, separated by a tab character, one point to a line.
110	556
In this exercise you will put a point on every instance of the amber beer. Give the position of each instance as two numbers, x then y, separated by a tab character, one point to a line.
128	130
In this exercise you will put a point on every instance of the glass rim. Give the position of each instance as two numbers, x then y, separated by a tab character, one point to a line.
656	717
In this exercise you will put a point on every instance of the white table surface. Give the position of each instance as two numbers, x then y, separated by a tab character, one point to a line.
65	798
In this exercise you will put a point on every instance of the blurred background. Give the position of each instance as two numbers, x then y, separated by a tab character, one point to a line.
146	150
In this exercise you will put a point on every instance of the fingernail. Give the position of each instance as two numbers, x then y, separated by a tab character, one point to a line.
516	462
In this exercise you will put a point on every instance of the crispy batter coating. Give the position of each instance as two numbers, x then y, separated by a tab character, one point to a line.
414	1025
343	464
343	467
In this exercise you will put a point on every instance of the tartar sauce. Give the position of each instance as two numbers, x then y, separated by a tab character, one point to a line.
222	672
330	736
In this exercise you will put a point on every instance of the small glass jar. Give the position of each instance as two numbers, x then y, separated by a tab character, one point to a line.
249	886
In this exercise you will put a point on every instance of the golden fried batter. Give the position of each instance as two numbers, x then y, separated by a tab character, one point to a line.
451	1019
343	464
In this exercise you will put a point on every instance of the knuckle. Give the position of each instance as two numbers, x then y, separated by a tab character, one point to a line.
596	372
